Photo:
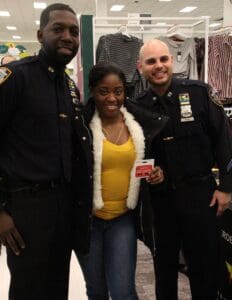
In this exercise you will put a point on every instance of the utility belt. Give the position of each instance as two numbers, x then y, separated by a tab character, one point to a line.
185	182
14	186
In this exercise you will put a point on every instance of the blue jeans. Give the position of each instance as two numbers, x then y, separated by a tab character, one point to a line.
109	269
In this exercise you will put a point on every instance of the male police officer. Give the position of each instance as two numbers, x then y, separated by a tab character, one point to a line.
195	137
43	142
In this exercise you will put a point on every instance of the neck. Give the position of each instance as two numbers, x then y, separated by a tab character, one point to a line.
110	121
161	89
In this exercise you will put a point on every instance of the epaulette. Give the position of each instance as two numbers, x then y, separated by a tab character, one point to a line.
189	82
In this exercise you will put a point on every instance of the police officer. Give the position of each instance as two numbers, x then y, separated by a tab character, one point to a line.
195	138
45	150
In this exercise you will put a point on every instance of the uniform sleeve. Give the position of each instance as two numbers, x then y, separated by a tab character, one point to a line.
222	143
8	94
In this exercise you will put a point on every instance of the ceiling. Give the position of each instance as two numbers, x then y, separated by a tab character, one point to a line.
23	14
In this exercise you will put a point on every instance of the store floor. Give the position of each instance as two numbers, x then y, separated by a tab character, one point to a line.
144	278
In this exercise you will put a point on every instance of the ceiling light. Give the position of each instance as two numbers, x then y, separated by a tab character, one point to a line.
16	37
188	9
4	13
164	0
37	22
117	7
11	27
40	5
215	24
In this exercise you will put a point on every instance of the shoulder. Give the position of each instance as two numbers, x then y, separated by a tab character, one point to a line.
11	70
211	93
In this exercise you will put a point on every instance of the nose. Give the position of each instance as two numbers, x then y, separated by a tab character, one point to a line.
159	64
66	35
111	97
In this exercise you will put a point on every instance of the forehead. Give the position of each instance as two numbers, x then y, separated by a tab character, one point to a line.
154	51
110	79
62	17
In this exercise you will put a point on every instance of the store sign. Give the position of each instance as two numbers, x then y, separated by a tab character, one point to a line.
133	19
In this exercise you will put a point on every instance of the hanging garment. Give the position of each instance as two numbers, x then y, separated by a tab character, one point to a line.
184	57
220	65
120	49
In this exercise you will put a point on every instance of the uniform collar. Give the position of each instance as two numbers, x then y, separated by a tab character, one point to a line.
169	95
47	65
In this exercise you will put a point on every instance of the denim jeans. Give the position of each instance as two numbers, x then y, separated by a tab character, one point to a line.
109	269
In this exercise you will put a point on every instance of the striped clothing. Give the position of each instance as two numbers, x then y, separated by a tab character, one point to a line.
220	65
120	49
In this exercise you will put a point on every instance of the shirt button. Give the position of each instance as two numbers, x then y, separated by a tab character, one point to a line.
76	117
84	138
159	118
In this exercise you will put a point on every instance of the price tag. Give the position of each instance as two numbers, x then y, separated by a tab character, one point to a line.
143	167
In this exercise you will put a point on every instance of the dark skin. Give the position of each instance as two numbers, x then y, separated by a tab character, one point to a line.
60	41
109	95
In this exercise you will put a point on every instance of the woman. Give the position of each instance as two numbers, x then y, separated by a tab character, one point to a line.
118	141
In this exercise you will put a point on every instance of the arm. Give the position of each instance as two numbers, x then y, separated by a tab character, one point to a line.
222	144
9	235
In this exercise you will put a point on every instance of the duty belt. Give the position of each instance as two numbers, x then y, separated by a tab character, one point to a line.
18	185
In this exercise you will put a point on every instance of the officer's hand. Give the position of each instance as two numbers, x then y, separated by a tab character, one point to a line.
156	176
222	199
9	235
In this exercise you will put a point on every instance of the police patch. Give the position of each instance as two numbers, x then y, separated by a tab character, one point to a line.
214	96
4	74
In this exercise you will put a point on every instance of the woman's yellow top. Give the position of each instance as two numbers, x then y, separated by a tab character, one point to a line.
117	162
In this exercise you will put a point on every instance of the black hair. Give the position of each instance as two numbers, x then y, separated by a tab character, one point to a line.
45	15
101	70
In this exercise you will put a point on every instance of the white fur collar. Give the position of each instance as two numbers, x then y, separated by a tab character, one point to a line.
137	135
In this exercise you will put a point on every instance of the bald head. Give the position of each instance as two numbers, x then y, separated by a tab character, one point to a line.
153	44
156	64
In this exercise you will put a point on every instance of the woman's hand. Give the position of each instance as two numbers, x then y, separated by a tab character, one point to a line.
156	176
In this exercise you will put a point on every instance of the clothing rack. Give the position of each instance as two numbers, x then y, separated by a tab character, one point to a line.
143	25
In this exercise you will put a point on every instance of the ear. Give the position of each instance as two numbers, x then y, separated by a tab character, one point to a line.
40	36
139	66
171	58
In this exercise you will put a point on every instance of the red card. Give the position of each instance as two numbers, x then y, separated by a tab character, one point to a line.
143	167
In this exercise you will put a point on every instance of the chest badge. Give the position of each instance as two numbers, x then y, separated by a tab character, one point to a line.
185	108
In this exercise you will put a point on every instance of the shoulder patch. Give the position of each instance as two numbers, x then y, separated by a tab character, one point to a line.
213	95
4	74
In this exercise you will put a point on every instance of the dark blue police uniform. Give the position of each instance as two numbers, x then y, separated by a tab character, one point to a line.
45	169
195	138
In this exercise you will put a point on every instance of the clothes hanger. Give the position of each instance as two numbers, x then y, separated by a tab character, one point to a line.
123	29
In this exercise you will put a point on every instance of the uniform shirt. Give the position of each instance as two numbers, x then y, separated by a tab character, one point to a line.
117	162
35	121
196	136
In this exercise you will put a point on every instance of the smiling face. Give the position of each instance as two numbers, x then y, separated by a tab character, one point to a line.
109	96
60	37
156	64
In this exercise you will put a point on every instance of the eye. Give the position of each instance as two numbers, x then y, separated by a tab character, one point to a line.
57	29
118	92
74	32
103	92
150	61
164	59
